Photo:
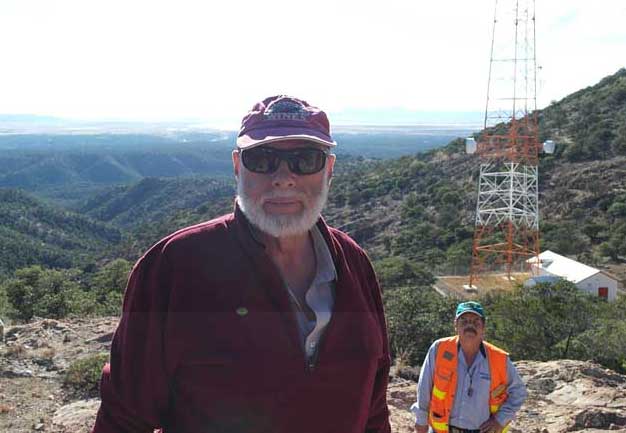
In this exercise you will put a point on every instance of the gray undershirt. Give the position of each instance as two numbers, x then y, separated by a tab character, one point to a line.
319	297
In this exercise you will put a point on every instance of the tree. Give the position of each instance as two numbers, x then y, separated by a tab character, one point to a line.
617	210
565	237
605	341
417	316
5	306
459	256
619	142
540	322
35	291
592	229
112	277
415	239
558	115
108	286
412	209
398	271
615	246
576	151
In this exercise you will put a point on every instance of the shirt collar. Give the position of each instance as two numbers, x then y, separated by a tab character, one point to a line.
320	235
482	350
326	271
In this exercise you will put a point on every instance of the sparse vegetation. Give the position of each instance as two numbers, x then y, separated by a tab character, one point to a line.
15	351
35	291
83	375
5	408
413	214
542	323
48	353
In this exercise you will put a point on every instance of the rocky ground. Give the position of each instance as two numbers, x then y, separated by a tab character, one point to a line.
33	361
564	396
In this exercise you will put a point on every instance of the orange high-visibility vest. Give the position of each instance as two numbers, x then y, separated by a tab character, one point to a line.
444	382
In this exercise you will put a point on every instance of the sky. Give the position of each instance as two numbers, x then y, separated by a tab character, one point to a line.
211	60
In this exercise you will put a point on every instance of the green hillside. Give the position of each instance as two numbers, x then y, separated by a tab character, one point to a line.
589	124
414	215
32	232
421	207
70	168
152	199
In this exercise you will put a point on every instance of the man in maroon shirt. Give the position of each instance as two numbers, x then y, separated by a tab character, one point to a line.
263	320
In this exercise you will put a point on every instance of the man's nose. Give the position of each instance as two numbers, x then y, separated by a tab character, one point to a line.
283	177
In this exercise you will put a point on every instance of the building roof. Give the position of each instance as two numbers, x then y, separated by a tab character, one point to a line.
561	266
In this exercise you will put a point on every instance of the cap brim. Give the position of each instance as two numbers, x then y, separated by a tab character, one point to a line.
469	311
262	136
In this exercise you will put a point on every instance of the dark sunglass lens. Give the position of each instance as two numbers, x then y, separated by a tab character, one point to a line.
309	161
259	160
301	162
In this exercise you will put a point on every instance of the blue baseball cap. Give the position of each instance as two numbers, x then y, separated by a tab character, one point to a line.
469	307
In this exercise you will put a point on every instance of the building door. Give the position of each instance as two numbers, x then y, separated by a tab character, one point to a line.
603	292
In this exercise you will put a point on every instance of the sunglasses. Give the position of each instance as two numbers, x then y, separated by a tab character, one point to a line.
266	160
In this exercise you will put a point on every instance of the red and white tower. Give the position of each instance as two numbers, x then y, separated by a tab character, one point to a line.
507	209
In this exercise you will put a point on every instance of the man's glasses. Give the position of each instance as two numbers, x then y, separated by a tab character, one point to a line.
266	160
464	321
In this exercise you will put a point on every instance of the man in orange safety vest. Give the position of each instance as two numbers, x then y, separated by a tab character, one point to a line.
466	384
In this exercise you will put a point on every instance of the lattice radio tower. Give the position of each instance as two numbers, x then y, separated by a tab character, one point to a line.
507	211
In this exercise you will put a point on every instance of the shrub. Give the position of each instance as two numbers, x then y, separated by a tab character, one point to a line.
5	408
5	306
540	322
397	271
415	318
108	286
35	291
83	376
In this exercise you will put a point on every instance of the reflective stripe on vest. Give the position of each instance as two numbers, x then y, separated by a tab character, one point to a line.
445	378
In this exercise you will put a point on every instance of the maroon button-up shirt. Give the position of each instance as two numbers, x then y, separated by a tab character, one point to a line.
208	342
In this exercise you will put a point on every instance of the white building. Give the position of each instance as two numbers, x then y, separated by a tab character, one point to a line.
591	280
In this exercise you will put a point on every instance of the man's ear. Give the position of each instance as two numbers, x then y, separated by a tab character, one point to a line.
236	155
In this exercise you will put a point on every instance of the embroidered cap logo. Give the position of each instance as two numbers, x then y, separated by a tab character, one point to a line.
286	110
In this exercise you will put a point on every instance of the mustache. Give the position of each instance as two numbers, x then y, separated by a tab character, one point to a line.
470	329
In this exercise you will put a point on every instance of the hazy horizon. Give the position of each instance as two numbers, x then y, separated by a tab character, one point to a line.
346	120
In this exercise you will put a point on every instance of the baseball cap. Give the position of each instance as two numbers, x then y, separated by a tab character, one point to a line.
280	118
469	307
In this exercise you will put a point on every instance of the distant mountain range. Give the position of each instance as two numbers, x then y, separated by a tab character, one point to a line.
418	207
33	232
402	116
153	199
71	167
421	207
381	117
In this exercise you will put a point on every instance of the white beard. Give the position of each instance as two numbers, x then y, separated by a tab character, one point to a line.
280	226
